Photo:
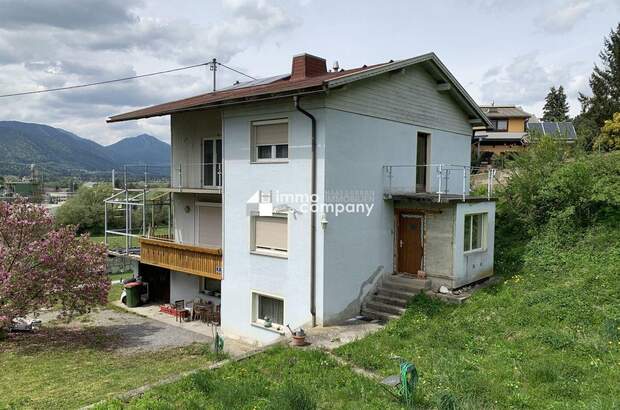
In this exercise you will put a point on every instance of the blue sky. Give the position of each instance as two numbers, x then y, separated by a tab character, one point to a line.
509	52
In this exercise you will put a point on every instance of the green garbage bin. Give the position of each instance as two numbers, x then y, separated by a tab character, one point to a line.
132	290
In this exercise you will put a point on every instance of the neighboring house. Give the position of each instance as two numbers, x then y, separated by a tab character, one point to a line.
508	132
383	153
513	128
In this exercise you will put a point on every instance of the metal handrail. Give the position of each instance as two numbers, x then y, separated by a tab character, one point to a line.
186	172
445	174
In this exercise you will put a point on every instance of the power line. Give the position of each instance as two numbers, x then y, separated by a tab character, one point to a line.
104	82
236	71
72	87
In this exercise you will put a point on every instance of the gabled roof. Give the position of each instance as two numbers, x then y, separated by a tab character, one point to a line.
282	86
504	111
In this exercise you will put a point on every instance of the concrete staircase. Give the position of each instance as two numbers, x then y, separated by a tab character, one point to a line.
390	298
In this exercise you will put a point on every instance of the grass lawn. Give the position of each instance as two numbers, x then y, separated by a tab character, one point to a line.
549	337
281	378
115	241
69	368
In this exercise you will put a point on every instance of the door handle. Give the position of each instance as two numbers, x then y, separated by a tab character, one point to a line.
401	243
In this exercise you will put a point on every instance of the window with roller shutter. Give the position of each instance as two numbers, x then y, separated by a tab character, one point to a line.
270	234
270	141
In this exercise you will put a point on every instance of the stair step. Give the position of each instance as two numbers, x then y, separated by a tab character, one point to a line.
383	307
390	300
409	280
401	287
378	315
396	293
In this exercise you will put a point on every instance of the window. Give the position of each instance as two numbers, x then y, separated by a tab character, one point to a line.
475	232
267	308
270	140
210	286
500	124
270	234
211	162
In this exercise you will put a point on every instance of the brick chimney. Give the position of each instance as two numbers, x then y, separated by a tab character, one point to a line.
307	65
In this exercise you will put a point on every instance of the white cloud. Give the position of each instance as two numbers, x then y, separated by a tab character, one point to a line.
59	42
526	80
562	16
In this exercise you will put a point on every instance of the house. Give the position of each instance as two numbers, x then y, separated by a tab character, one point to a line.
513	128
508	132
299	197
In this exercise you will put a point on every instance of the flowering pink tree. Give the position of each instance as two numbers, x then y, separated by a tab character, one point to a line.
43	267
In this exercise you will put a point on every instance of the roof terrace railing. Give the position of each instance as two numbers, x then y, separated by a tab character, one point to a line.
197	175
442	180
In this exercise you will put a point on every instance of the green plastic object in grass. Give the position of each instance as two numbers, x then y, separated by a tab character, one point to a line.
218	342
402	386
408	382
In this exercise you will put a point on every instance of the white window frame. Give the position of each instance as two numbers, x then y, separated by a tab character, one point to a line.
254	147
260	322
483	234
263	251
205	161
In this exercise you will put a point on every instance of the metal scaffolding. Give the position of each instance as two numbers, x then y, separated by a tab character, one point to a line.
123	203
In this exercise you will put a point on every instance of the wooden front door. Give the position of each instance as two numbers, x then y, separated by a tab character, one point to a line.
410	243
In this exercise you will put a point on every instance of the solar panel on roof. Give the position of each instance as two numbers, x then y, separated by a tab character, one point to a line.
259	81
567	129
535	127
551	128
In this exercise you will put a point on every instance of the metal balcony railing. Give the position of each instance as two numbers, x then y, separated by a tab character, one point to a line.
442	180
196	175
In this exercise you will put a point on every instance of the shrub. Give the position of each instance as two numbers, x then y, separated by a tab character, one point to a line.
550	185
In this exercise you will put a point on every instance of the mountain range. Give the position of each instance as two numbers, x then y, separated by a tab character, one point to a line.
58	152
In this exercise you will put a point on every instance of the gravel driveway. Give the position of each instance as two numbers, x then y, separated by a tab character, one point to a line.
132	333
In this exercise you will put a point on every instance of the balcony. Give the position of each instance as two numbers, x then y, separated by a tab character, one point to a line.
180	257
197	177
438	182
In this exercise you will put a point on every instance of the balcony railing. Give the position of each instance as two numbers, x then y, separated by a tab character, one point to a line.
441	180
196	176
192	259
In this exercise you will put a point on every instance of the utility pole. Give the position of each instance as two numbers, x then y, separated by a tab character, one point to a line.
213	67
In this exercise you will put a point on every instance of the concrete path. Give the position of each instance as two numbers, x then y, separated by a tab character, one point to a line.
331	337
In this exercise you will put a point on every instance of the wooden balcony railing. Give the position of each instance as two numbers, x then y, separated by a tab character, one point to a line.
192	259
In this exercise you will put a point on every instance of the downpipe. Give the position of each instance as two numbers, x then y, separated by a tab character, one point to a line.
312	214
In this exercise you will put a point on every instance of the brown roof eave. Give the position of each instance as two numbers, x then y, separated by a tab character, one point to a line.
243	100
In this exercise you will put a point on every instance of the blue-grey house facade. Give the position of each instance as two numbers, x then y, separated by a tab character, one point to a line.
316	186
